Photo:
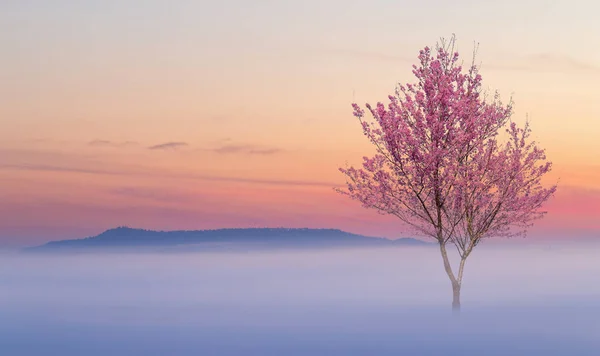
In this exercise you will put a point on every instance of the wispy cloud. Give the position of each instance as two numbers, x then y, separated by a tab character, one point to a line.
54	168
100	143
560	62
157	194
541	62
361	54
146	173
107	143
169	146
246	149
262	181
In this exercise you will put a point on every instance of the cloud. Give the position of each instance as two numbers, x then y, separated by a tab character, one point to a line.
541	62
262	181
557	61
156	194
47	141
53	168
100	143
107	143
245	149
168	146
371	55
101	171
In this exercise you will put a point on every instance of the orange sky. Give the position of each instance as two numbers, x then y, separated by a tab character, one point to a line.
251	116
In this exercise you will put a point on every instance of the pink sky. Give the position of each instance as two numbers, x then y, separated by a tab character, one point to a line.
187	122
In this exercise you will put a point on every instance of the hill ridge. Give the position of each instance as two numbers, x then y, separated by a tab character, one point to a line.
124	236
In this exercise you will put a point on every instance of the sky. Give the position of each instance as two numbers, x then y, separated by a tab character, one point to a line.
209	114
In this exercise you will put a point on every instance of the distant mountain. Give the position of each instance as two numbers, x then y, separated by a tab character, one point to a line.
222	239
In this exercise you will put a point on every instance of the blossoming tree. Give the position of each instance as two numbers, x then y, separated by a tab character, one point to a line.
440	166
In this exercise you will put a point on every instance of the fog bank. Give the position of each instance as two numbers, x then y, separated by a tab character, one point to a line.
517	300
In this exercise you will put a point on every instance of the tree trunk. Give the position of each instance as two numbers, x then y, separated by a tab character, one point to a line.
456	297
455	281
